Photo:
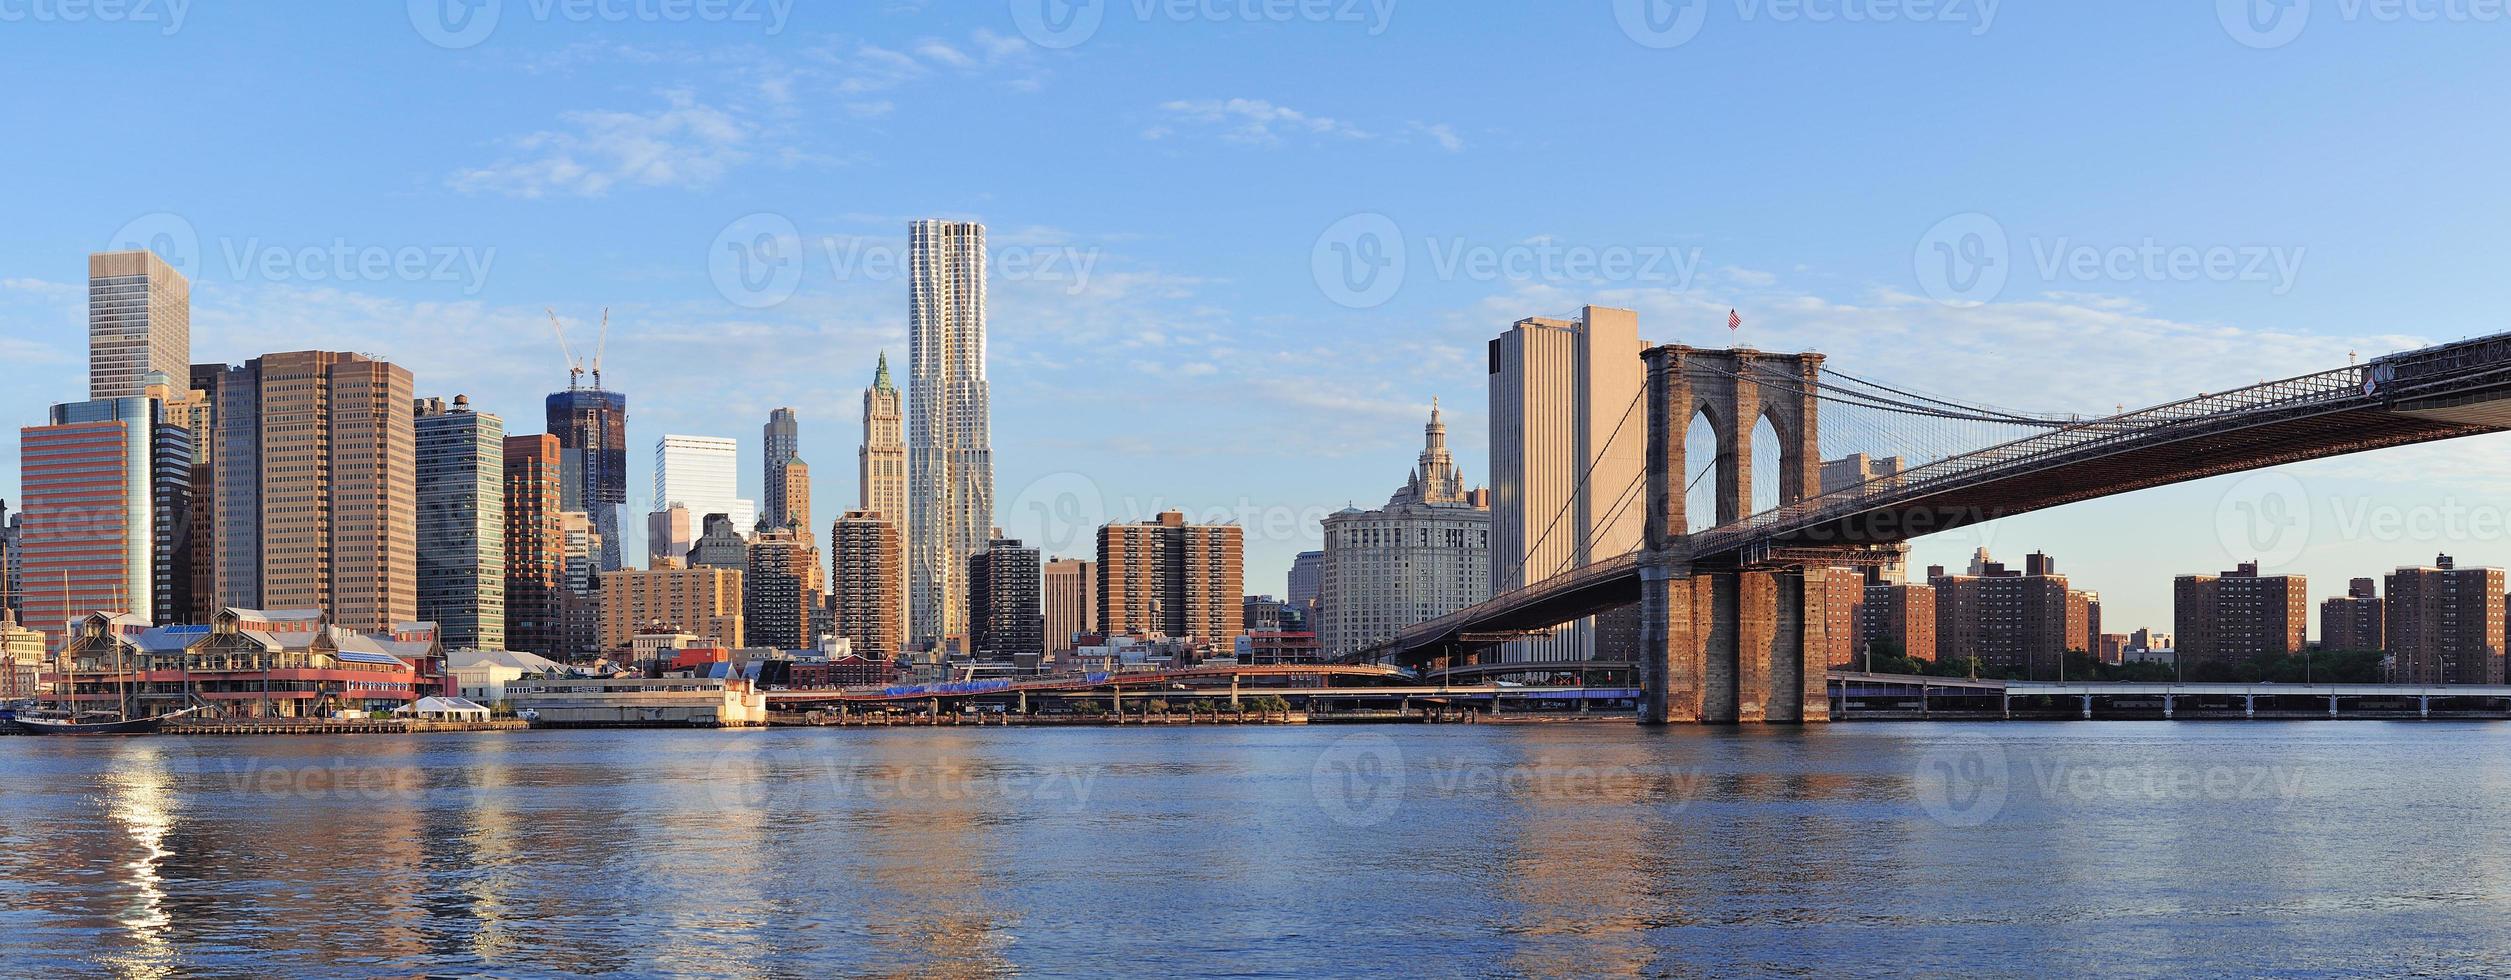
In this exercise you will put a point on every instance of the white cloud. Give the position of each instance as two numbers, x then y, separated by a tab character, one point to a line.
1256	121
684	144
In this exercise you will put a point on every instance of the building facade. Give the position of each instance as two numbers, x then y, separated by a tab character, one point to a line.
867	576
2013	621
780	441
781	590
1173	579
702	473
139	320
721	544
1305	584
1425	554
669	534
461	522
1898	617
1004	616
536	545
106	496
317	475
2353	621
950	456
592	429
1568	441
2445	624
2239	616
703	601
1070	599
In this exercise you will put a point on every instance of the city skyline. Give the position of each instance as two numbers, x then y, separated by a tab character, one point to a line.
1191	291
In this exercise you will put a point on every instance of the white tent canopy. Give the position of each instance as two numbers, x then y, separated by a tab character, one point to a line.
443	709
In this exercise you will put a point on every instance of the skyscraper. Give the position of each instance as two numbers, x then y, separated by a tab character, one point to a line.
669	534
317	488
792	491
1003	615
1306	584
462	522
139	319
1568	446
592	429
702	473
1175	579
867	570
781	438
882	461
536	546
99	482
1427	553
950	457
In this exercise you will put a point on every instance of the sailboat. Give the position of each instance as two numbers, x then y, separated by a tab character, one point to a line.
71	721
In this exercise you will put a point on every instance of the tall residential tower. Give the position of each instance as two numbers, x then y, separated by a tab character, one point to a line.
950	457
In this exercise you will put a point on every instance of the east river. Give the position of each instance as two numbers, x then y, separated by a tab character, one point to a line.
2018	848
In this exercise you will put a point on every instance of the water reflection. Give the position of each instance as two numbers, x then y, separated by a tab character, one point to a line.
1543	851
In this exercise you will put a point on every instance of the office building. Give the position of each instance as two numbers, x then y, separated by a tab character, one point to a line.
781	442
316	481
1425	554
792	491
867	581
669	534
2445	624
702	473
1168	578
2239	616
106	493
139	320
581	612
1305	584
1070	599
536	545
592	429
461	522
881	463
1568	444
721	544
1004	617
950	457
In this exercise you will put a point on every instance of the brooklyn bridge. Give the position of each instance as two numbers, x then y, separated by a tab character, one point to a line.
1729	624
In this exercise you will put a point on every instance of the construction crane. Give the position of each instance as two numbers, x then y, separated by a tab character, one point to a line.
576	368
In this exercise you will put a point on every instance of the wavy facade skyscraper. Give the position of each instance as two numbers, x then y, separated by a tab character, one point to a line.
950	456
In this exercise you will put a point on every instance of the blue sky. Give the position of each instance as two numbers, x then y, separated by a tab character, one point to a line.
2187	203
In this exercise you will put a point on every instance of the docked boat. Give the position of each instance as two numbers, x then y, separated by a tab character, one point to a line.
112	726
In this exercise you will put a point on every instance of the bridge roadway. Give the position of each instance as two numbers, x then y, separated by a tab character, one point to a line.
2441	392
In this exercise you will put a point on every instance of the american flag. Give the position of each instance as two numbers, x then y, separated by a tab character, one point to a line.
1733	321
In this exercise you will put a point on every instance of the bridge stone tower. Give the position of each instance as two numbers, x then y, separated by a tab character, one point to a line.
1729	644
